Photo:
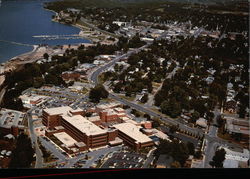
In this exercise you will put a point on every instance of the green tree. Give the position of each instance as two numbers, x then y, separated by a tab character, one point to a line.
191	148
218	158
23	153
195	116
171	107
198	154
144	98
97	93
38	82
46	56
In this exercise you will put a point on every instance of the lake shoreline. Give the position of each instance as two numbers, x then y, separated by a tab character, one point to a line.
34	55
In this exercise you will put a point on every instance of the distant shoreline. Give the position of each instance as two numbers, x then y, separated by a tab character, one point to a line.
11	63
73	25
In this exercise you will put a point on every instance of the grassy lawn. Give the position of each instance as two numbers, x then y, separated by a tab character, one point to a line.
129	98
158	112
108	100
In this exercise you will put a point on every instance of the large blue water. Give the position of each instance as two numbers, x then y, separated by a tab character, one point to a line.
20	20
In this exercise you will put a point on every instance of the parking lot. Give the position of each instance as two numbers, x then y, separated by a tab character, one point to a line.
125	160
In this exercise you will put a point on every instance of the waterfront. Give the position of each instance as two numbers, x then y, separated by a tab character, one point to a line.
21	21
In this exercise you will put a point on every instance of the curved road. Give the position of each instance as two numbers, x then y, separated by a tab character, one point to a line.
94	79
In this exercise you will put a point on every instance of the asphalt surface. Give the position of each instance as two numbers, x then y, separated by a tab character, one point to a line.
94	79
213	141
33	137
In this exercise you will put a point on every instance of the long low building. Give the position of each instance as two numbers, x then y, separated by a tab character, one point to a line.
83	130
132	136
86	130
76	126
237	126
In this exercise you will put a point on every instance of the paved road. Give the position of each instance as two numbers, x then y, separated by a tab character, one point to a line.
52	148
150	158
97	72
33	137
139	107
94	155
79	101
94	78
96	28
210	140
213	141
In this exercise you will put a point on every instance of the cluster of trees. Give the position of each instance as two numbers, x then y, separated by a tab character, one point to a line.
37	75
185	88
144	98
97	93
23	155
33	75
159	12
195	58
136	113
218	158
179	151
109	26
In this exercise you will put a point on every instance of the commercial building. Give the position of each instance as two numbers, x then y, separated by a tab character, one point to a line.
32	100
131	135
236	158
91	131
108	115
102	107
237	126
83	131
11	122
202	122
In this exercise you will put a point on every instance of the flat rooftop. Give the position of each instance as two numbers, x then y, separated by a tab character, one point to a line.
108	105
65	139
237	125
32	97
84	125
132	131
94	118
58	110
61	110
119	109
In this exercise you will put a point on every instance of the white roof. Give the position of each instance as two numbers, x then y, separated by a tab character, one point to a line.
94	118
132	131
32	97
202	122
228	163
84	125
119	109
59	110
65	139
106	106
